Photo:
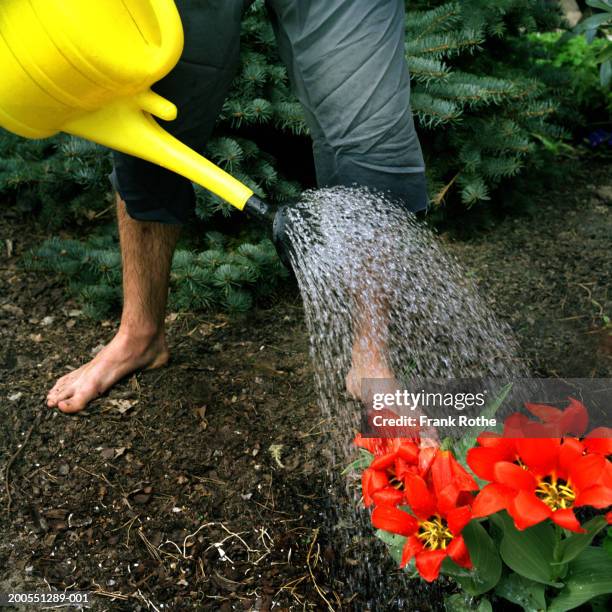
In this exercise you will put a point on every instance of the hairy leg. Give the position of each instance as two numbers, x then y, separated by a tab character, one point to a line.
146	250
371	371
369	356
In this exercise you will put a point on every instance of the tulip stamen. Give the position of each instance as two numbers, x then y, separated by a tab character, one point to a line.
434	533
555	492
395	482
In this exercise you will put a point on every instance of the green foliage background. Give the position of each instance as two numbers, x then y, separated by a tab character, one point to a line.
484	109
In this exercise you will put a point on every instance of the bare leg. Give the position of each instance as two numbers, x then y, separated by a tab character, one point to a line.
146	250
370	369
369	353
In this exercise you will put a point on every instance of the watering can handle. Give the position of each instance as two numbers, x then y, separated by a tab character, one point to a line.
127	126
171	30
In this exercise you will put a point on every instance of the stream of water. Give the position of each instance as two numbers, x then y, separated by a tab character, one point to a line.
380	291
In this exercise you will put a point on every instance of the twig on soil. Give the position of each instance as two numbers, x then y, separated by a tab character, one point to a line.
152	549
110	594
129	524
13	458
312	576
100	477
316	433
291	586
147	601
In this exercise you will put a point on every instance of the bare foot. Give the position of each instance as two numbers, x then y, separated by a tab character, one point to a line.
370	374
123	355
364	379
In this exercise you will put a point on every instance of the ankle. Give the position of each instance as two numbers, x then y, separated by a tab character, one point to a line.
143	336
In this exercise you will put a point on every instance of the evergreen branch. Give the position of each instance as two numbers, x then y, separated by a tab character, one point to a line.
431	111
445	45
426	69
421	23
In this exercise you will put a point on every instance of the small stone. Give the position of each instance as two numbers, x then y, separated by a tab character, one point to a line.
605	193
47	321
96	349
12	309
64	469
15	397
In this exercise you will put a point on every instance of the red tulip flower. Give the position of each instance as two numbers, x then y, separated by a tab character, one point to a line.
537	479
441	511
382	482
572	420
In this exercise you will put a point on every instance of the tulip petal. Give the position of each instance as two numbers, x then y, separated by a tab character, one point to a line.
527	510
567	519
597	496
482	460
458	552
544	412
387	497
491	499
491	439
426	457
371	481
391	519
539	454
458	518
449	478
599	441
382	462
408	451
587	471
571	450
418	496
574	419
514	476
412	546
441	470
428	563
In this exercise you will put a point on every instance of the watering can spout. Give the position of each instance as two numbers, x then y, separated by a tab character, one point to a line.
128	125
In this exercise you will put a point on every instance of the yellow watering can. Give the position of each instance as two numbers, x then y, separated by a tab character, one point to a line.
85	67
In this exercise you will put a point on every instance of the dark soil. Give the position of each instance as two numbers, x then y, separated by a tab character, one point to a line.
203	485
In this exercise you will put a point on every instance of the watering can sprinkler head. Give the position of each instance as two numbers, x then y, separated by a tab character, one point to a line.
275	219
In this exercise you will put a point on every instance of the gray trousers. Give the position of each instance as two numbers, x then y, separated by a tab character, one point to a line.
346	64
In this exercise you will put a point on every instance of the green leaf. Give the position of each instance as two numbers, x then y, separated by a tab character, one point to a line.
394	542
529	552
362	462
607	543
604	5
461	602
523	592
589	575
485	559
467	441
573	545
593	22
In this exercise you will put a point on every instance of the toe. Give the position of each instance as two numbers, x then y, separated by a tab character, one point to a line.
80	399
62	394
73	404
60	386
